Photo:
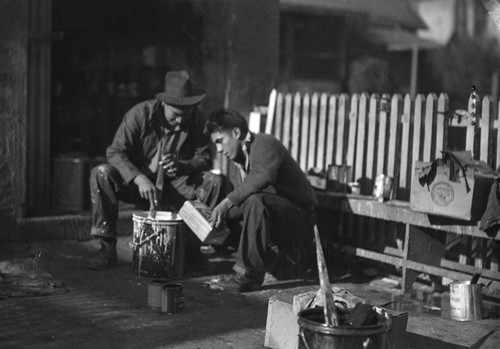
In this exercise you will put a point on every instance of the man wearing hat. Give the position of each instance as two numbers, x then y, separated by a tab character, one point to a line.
162	134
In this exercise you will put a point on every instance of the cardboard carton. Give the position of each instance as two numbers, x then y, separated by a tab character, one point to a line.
465	197
196	215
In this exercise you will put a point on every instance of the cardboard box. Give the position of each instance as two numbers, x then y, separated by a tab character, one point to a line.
196	215
282	329
448	198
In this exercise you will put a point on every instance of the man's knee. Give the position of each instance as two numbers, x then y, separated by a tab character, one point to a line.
101	170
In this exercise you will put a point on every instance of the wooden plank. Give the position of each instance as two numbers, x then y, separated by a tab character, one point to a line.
398	211
330	133
271	111
430	108
416	139
353	127
304	132
469	269
471	129
484	140
278	118
405	173
313	125
442	107
342	122
393	149
369	254
371	148
361	137
383	142
287	121
294	147
320	150
496	126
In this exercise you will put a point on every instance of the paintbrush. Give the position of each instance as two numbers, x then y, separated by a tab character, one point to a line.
329	311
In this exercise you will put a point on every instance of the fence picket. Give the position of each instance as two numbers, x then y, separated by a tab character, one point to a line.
330	134
441	131
429	136
294	147
340	156
278	126
313	128
320	151
405	174
353	127
287	121
304	131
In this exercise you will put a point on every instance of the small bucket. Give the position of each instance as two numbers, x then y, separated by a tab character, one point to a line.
315	334
466	301
158	245
172	298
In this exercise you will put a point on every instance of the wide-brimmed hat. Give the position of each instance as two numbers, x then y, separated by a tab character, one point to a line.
179	90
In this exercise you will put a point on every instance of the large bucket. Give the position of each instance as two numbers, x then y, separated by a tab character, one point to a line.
466	301
315	334
159	245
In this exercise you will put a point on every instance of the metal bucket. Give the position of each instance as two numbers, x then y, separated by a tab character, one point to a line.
466	301
314	334
158	245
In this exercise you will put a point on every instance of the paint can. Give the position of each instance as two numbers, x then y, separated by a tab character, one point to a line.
382	189
337	178
466	301
172	298
154	293
158	245
314	333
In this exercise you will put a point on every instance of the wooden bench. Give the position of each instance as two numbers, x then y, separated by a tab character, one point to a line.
387	134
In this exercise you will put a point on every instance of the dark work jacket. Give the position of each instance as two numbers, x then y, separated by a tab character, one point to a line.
272	169
136	142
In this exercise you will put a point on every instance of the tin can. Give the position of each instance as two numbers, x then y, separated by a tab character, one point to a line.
383	187
337	178
172	298
154	293
466	301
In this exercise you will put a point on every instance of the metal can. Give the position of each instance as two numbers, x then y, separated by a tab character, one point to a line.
154	293
383	187
172	298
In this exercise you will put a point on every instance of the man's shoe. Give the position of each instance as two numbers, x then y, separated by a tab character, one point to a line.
105	257
237	282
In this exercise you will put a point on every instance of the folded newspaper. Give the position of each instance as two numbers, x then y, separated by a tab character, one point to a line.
196	215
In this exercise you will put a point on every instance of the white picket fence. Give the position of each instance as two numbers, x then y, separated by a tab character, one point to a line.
385	134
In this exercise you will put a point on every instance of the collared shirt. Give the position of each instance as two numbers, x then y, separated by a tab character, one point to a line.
245	168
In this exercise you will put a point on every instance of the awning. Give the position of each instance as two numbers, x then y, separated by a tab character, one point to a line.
400	40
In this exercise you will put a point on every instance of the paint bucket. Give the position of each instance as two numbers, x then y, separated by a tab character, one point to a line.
172	298
158	245
315	334
154	293
466	301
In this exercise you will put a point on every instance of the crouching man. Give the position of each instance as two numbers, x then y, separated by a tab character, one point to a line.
274	200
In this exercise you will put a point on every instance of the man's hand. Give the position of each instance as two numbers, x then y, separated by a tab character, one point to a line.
170	164
147	189
219	212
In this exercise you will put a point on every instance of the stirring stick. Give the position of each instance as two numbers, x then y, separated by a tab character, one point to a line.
329	310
